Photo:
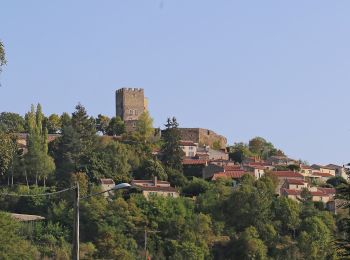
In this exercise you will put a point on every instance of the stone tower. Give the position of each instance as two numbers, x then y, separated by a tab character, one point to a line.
130	104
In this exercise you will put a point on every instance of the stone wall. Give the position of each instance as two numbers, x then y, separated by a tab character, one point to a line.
203	137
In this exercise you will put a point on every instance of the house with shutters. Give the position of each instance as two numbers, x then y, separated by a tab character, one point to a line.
155	188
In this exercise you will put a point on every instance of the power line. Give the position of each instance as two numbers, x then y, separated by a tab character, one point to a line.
36	195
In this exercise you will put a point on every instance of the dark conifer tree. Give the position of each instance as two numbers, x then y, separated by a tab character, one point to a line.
171	151
75	145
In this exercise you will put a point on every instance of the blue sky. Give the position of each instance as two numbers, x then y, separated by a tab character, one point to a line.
276	69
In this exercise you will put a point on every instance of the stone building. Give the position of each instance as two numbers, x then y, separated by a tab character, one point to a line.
203	137
130	104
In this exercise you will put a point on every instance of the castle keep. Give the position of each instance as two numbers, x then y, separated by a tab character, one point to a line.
130	104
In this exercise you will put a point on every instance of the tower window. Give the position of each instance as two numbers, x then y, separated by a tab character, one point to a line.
131	112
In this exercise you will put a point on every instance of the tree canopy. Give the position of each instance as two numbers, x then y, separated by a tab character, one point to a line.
11	123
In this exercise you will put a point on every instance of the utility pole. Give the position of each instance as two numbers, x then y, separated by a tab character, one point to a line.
75	252
75	249
145	243
148	231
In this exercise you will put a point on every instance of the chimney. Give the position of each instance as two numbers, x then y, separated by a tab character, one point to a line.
155	181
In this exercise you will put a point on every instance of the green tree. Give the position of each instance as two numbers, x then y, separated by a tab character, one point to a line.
67	151
171	152
176	177
102	123
287	212
214	200
151	168
294	167
343	195
195	187
74	148
315	239
336	181
306	195
7	150
144	128
11	122
82	179
53	124
116	126
39	164
111	226
110	160
66	120
259	146
249	246
183	234
239	152
85	127
12	245
250	204
51	240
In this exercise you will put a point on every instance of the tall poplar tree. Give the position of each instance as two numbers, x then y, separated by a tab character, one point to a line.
7	150
39	164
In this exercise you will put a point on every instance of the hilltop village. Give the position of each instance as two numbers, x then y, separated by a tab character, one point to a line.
190	195
206	155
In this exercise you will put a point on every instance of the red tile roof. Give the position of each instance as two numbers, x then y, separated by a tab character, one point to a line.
229	175
149	181
295	181
107	181
187	143
156	188
321	192
287	174
232	167
328	191
220	160
259	164
305	167
322	174
194	162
